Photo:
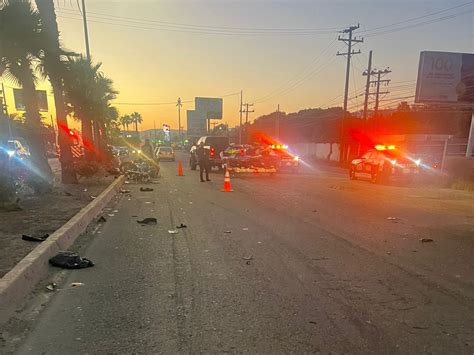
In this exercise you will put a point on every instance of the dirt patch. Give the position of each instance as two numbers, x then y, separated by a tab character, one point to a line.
43	214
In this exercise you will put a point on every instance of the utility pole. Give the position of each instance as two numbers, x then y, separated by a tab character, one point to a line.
377	82
179	104
247	111
350	40
367	85
240	127
86	32
154	129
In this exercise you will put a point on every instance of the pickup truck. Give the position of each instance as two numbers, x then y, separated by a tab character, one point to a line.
215	144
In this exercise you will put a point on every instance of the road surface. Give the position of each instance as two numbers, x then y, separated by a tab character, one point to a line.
284	264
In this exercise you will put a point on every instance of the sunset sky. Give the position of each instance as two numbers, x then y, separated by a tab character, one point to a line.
155	63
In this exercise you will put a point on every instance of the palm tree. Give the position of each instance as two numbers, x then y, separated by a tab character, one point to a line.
79	83
136	118
125	121
54	69
88	94
20	47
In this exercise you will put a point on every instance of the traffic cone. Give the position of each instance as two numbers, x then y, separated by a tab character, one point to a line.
227	185
180	168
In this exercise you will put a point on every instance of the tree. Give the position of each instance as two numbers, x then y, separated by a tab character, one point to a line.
88	94
79	86
125	120
136	118
20	47
54	69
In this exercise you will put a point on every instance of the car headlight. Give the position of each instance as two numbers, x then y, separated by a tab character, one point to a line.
139	151
296	158
418	162
394	161
10	153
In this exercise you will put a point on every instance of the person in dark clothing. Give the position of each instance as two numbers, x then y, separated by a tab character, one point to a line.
203	161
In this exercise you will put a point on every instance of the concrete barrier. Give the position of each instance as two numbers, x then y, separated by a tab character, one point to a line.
19	281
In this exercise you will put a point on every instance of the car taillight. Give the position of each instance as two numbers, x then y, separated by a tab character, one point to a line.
213	151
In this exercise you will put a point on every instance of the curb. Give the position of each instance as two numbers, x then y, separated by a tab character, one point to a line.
20	280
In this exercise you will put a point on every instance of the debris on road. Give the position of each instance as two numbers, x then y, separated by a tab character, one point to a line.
52	286
174	231
426	240
181	226
228	232
76	284
111	214
314	211
31	238
248	257
102	219
93	197
148	202
395	219
70	260
114	211
245	229
146	189
190	203
148	220
123	191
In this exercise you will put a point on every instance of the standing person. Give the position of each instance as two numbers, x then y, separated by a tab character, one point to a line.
203	161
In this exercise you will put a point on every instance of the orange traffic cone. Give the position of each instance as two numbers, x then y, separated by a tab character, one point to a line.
180	168
227	185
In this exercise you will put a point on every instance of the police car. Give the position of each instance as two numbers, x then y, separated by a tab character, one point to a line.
384	162
288	161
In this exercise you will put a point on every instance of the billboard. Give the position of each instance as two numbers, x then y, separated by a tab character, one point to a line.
20	105
210	107
445	77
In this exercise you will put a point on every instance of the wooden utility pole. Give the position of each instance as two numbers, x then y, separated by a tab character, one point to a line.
240	127
179	104
247	111
367	84
350	41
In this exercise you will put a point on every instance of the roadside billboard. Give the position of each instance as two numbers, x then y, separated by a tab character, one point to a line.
19	102
210	107
445	77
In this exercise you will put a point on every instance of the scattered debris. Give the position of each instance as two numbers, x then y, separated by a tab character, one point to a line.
248	257
148	202
322	258
115	211
70	260
389	253
93	197
110	214
52	286
395	219
174	231
313	322
31	238
190	203
314	211
126	182
67	193
102	219
148	220
415	251
76	284
245	229
146	189
181	226
426	240
418	327
228	232
85	190
123	191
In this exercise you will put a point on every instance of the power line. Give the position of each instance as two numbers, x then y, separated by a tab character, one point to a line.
283	87
166	103
416	18
205	27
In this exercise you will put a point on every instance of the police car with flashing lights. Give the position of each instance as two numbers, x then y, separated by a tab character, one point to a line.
384	163
288	161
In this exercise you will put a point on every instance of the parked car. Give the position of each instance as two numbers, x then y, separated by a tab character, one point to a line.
165	153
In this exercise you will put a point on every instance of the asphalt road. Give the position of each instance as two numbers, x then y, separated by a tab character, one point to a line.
285	264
